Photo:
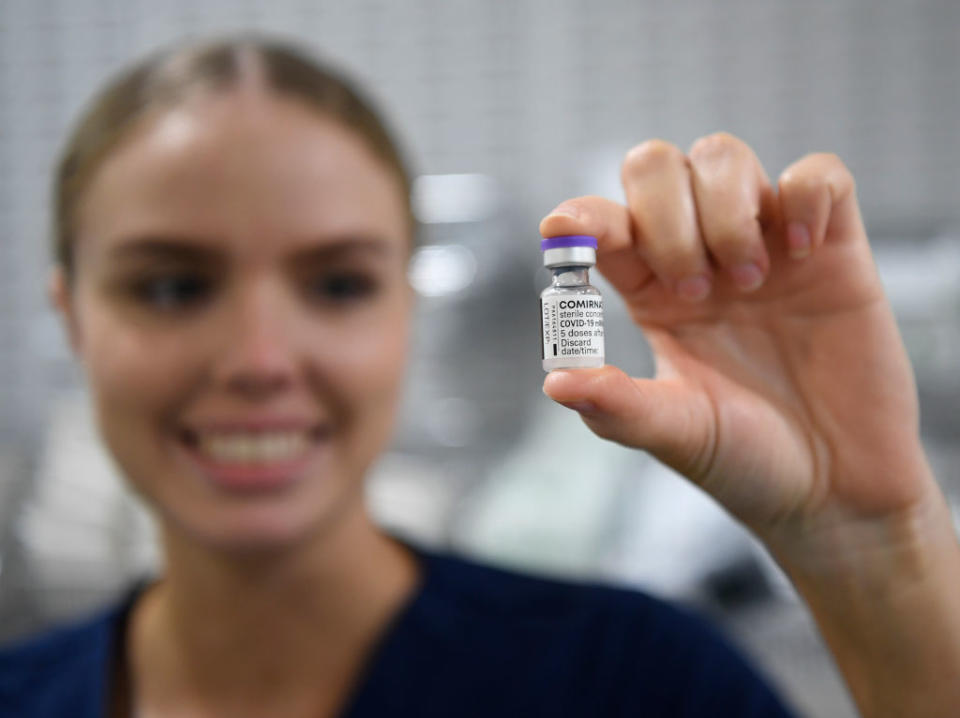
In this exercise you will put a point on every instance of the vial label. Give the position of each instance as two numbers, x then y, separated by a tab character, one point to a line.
572	326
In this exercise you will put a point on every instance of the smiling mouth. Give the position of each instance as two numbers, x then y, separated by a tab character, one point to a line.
244	459
262	447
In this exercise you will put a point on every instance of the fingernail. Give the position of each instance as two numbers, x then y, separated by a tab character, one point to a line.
584	407
569	210
747	276
798	240
695	288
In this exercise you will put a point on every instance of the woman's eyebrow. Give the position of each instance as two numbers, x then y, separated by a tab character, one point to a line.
195	250
166	248
344	247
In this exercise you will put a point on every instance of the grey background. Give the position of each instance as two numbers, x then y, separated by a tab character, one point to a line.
539	100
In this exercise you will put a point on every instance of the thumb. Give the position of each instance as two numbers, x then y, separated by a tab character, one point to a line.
662	416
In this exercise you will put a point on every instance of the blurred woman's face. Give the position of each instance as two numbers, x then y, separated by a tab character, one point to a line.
240	305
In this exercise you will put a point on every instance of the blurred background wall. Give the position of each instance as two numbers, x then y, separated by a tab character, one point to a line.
506	108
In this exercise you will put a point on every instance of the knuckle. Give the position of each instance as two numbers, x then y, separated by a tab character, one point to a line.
715	145
815	173
839	177
827	160
650	155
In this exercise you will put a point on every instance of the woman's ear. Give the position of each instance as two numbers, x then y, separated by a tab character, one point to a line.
61	297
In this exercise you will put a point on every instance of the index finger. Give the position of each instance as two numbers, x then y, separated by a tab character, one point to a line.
617	256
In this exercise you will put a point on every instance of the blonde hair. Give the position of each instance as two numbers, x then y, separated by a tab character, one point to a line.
166	78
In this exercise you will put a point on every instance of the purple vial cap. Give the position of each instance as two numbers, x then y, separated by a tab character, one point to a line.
569	240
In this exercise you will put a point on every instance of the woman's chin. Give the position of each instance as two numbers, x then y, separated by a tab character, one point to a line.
251	533
267	524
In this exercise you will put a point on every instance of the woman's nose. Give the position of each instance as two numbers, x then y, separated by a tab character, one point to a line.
258	352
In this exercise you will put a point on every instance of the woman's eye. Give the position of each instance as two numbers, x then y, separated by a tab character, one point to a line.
172	292
343	287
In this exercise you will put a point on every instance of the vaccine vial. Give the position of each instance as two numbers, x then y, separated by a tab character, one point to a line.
571	310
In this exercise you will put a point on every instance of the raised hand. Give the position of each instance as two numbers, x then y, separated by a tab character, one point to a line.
782	388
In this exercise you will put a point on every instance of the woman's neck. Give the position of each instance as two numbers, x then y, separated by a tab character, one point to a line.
267	635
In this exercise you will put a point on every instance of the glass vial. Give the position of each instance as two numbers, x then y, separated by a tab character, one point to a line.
571	310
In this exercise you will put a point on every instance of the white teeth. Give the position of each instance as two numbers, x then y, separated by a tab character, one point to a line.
258	448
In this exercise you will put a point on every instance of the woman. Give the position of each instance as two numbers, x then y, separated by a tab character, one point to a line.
233	227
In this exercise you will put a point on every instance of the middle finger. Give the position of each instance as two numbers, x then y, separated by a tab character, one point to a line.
656	180
731	189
